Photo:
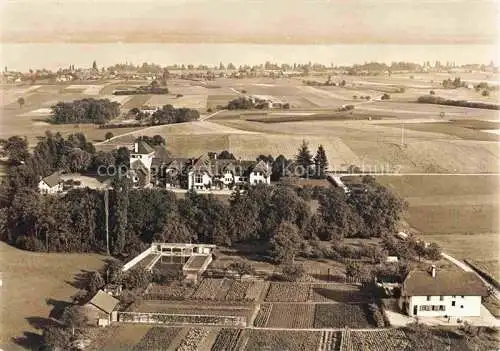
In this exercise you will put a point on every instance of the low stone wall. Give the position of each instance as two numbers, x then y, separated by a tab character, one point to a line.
180	319
136	259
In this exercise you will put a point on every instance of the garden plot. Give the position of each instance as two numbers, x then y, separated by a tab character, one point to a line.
336	293
157	338
237	291
258	340
221	293
342	315
226	340
193	339
175	290
287	292
255	290
330	341
378	340
285	315
263	315
209	289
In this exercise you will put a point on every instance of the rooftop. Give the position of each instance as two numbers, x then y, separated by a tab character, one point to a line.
143	148
104	302
52	180
445	283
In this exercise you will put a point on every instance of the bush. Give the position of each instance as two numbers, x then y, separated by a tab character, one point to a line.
485	93
108	135
377	315
385	97
432	92
292	272
209	110
30	243
136	278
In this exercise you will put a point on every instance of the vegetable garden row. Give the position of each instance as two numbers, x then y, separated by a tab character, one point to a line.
304	315
232	339
208	289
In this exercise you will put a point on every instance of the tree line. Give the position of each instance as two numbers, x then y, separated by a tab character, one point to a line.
432	99
279	216
91	110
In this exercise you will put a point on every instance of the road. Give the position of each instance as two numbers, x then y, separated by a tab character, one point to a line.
464	266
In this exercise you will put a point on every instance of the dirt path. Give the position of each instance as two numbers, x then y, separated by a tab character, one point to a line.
464	266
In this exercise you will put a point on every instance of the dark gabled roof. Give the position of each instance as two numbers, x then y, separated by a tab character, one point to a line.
262	167
143	148
52	180
161	153
445	283
104	302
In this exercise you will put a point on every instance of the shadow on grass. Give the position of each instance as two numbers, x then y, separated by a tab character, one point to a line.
29	341
80	281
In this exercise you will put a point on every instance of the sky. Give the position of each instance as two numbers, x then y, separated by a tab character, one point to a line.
251	21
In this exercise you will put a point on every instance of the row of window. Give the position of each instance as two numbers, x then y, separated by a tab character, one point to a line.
441	298
432	308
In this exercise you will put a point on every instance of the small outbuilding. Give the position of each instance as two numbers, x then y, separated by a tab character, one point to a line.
51	184
100	308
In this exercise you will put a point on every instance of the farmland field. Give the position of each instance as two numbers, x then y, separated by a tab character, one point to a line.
384	340
284	315
45	286
342	315
122	337
157	338
287	292
226	340
280	340
335	293
464	208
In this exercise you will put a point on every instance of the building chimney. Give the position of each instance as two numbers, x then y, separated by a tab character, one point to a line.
136	147
433	271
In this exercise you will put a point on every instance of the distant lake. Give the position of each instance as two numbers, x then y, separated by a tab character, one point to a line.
55	55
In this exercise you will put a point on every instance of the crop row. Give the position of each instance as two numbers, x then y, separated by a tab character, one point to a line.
226	340
263	315
193	339
291	316
259	340
291	292
381	340
208	289
157	338
287	292
330	341
342	315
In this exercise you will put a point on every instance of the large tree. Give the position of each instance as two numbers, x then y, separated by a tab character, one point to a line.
175	231
320	162
304	157
21	101
15	149
120	212
285	243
